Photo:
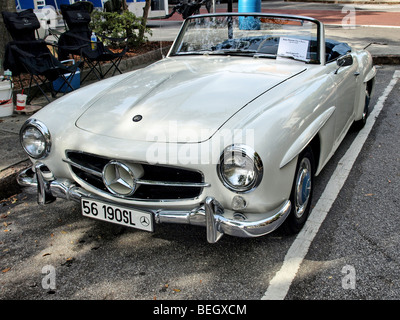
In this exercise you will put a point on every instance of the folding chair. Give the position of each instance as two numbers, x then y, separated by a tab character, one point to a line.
26	54
77	41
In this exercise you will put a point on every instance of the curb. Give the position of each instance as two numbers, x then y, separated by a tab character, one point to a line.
8	179
391	59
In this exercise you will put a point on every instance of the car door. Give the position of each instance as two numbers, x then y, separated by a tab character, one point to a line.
345	79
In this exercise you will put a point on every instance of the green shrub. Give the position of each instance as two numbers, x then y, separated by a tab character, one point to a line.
119	25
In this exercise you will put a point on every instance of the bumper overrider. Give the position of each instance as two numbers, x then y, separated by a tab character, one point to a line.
210	214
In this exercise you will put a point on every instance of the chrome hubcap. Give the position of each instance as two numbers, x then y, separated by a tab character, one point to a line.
364	115
303	187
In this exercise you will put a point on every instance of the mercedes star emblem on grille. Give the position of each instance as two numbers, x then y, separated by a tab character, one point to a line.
119	178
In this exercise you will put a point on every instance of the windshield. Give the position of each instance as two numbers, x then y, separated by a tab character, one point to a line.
261	35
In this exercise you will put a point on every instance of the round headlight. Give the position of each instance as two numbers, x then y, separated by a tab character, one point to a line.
35	139
240	168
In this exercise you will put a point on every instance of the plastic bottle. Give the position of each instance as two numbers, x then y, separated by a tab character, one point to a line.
93	41
7	74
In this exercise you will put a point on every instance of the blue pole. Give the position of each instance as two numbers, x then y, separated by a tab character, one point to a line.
247	6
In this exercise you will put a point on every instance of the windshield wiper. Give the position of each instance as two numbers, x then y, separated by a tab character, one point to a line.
233	52
265	55
219	52
294	58
187	53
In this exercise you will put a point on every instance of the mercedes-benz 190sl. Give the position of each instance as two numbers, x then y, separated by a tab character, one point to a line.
227	131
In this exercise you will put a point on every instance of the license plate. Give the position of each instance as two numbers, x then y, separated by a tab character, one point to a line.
117	214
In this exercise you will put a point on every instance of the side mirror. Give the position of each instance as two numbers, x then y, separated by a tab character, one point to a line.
344	61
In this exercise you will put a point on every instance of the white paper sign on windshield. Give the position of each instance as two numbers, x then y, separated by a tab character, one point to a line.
291	47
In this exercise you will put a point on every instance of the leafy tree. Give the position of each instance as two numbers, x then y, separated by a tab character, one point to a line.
118	22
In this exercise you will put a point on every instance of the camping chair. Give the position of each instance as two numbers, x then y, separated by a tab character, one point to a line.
26	54
77	41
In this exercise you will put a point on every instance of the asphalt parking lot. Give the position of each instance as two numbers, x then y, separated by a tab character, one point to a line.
54	253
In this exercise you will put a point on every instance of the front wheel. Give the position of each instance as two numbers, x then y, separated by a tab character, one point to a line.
301	194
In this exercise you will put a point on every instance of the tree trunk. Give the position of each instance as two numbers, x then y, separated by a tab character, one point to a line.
124	5
5	5
144	19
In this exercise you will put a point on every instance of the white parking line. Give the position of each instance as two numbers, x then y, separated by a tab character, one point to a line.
280	284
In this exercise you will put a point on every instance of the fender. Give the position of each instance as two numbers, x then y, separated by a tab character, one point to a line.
308	134
370	75
369	78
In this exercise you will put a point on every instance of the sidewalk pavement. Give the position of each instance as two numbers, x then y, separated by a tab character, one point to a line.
374	27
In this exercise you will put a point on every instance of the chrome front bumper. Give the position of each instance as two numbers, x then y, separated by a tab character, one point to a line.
211	214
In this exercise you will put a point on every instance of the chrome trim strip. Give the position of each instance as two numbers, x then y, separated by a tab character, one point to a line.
83	168
172	184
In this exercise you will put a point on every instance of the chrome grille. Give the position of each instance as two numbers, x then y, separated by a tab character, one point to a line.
158	182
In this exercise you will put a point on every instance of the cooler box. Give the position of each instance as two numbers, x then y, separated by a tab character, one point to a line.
6	101
60	85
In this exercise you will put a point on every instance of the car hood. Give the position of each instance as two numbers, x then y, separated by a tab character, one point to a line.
182	99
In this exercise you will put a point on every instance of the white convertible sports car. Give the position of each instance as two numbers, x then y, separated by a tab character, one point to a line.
227	132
